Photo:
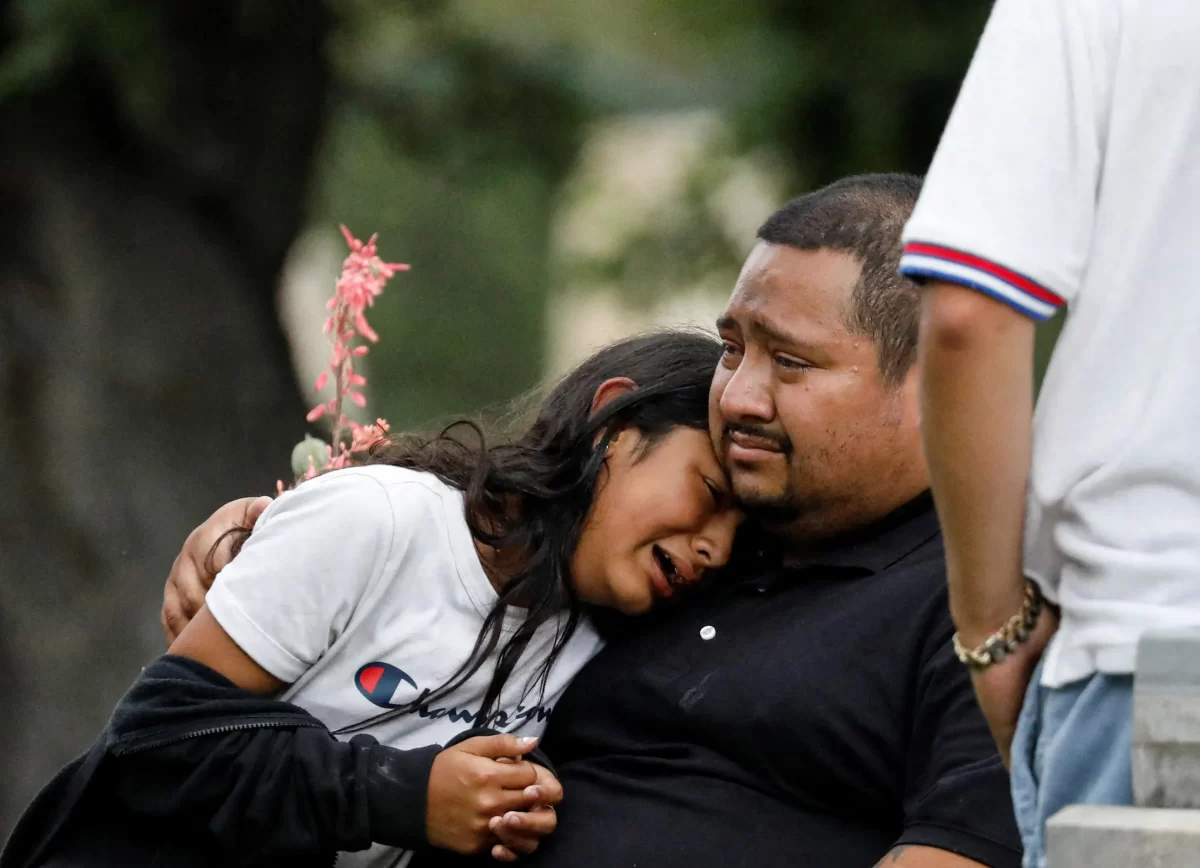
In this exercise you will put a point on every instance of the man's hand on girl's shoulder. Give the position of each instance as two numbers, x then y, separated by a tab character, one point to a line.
193	572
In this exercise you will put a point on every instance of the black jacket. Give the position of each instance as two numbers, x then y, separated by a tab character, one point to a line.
193	771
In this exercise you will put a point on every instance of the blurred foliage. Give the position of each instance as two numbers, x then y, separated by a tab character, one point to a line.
869	83
455	126
659	204
452	149
54	32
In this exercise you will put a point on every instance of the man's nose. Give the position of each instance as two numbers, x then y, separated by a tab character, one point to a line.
747	395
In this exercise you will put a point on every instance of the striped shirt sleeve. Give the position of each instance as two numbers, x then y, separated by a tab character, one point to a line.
1009	205
922	261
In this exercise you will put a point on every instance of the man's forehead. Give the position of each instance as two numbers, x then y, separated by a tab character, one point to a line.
791	292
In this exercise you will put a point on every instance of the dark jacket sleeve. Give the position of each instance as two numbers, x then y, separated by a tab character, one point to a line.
275	793
248	779
267	778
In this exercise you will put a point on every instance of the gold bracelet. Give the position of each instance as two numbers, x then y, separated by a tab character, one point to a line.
1009	637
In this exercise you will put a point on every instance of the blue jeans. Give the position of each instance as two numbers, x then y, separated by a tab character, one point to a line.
1072	746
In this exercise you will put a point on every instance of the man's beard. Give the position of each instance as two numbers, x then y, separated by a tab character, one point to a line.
773	510
789	505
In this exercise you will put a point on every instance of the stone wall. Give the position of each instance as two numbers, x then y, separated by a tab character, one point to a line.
1163	828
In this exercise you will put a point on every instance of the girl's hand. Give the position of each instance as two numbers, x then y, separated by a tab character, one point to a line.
520	832
468	786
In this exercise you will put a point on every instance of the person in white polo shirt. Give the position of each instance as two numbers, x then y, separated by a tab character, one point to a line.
1068	174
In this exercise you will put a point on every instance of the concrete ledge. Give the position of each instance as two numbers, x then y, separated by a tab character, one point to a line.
1103	836
1166	720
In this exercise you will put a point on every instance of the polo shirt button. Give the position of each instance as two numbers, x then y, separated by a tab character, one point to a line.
708	632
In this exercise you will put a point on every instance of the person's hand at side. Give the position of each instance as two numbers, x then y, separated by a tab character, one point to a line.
193	572
470	787
1000	689
520	832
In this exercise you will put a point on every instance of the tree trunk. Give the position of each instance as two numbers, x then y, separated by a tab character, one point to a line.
144	378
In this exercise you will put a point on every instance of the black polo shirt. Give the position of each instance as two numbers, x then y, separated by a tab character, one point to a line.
812	716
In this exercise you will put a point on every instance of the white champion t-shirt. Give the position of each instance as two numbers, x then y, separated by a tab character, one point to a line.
1069	172
362	589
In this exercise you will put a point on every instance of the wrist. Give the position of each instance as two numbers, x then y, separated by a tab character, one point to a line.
397	794
977	616
980	650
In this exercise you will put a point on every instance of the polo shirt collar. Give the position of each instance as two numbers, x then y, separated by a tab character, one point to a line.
874	548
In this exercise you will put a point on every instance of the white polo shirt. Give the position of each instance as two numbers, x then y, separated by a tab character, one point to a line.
1069	172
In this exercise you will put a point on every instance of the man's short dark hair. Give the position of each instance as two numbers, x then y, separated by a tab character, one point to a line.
863	215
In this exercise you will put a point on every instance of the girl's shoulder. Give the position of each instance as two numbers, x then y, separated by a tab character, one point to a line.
375	522
402	481
359	493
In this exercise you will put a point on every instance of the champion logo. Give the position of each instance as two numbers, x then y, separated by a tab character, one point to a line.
389	686
385	685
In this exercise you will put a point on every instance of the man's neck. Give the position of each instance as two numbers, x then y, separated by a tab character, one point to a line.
833	529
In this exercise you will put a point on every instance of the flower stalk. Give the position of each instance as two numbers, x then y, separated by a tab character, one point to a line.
363	278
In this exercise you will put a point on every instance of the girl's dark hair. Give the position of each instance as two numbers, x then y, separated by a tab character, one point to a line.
533	494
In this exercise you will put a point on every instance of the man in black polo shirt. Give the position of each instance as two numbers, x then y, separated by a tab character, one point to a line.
807	709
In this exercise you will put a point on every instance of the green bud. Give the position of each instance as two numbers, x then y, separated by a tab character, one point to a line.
310	447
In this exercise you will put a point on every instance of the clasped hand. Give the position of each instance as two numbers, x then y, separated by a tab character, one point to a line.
481	793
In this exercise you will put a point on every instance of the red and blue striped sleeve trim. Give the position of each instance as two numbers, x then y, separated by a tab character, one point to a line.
922	260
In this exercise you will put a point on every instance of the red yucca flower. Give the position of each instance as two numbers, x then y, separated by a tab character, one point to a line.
363	278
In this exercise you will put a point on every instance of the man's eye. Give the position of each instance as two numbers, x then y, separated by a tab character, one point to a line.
731	349
790	364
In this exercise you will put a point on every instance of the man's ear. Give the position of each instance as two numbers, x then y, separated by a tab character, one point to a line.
610	390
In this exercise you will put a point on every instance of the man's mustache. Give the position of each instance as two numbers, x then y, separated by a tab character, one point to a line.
780	441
